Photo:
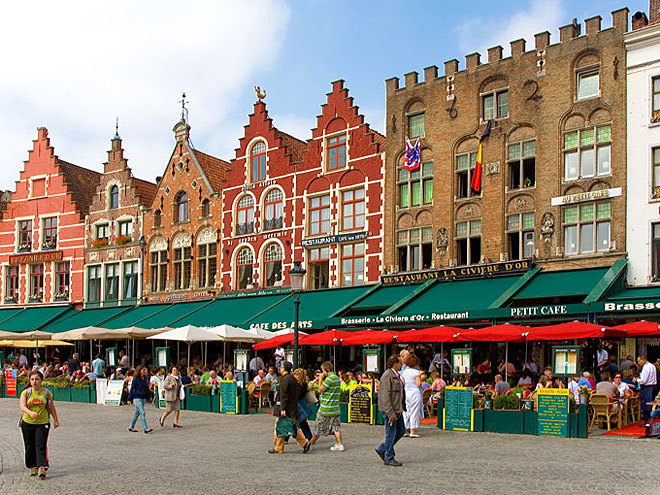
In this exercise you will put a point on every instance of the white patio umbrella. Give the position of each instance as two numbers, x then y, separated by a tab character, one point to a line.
188	334
33	335
265	334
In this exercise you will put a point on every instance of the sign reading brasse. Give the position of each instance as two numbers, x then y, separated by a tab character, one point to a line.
459	273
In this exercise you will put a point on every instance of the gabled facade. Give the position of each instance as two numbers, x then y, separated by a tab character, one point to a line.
113	229
43	229
182	225
318	202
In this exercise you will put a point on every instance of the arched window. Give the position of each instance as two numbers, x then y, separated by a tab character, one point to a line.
181	207
245	215
273	265
158	219
273	210
244	267
113	198
258	161
206	211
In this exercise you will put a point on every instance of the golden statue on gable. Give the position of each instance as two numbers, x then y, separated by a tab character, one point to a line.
260	94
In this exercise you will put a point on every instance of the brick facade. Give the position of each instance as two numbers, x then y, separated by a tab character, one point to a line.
113	228
557	103
42	231
182	234
277	180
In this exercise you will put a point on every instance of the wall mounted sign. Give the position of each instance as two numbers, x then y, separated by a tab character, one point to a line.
334	239
586	196
45	257
459	273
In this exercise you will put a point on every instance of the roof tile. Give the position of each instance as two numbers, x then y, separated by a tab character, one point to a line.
82	183
215	169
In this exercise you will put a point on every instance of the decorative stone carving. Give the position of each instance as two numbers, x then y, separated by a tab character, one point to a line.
94	256
112	254
548	227
182	239
521	203
493	168
441	239
130	252
469	211
207	235
158	244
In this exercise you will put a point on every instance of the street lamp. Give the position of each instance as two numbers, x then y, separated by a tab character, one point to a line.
143	248
297	274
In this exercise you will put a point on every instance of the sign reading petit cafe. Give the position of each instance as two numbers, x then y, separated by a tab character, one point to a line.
459	273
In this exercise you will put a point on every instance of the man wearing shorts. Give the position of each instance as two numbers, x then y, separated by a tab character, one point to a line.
327	417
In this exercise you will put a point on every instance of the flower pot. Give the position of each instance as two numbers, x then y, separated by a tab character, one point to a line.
583	399
488	404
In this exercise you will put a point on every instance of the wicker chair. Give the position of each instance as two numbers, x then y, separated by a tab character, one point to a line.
426	398
634	408
263	394
604	409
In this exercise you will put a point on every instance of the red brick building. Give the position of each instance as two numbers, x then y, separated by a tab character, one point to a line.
113	229
181	226
43	228
318	201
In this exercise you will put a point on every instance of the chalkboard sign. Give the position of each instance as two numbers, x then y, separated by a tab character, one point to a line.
458	413
228	397
553	406
359	404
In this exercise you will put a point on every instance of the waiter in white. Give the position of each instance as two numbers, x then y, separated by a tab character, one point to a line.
647	381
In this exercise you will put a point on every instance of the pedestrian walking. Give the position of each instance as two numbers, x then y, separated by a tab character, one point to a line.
138	395
303	404
327	417
36	404
391	402
412	383
173	391
286	410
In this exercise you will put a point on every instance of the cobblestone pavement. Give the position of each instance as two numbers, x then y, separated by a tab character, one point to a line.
93	453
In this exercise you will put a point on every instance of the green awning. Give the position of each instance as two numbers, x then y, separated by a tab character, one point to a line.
457	296
315	305
561	283
135	316
379	300
84	318
234	310
176	315
29	319
5	314
636	294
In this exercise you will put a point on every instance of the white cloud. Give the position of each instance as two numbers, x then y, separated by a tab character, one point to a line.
478	34
73	66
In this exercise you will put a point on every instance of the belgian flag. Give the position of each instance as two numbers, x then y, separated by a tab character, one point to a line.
475	183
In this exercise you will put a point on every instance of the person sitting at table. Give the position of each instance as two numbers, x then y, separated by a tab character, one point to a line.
484	367
506	367
272	375
627	363
213	378
229	376
425	383
525	379
584	381
531	366
542	383
206	372
656	412
628	379
622	387
574	388
261	375
611	366
500	385
605	385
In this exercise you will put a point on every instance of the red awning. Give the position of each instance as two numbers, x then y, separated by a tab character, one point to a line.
331	337
505	332
573	330
434	334
640	328
277	341
370	337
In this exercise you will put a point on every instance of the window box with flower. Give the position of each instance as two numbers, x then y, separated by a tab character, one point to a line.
34	299
62	296
99	243
10	299
123	239
48	246
24	248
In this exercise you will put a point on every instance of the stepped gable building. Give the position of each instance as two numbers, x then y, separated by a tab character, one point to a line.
553	166
43	229
113	231
318	202
182	225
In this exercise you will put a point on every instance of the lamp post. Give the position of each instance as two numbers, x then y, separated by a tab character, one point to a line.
297	274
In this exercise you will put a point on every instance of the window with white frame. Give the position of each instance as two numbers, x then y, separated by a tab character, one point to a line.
49	232
319	215
655	99
273	257
468	242
207	264
245	215
318	265
588	84
587	152
416	124
25	235
112	282
352	209
102	231
62	279
113	198
352	264
11	282
130	289
586	228
655	159
258	161
521	164
158	271
655	252
244	268
335	152
182	267
126	228
274	210
37	281
415	249
94	284
520	235
415	187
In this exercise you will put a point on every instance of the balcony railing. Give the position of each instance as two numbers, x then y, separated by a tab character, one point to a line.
273	223
244	228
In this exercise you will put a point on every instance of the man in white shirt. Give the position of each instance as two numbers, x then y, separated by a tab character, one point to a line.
602	356
256	364
260	376
279	357
647	381
22	359
123	361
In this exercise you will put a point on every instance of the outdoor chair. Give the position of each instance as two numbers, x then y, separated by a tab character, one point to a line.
426	399
604	410
263	394
634	408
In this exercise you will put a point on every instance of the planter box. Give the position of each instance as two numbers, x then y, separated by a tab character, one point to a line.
3	391
80	395
478	420
503	421
215	403
61	394
378	416
92	393
343	412
198	403
530	422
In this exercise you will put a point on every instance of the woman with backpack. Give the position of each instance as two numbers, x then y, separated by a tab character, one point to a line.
36	404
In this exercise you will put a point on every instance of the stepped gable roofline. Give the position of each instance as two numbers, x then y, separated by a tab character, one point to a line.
473	62
82	183
295	147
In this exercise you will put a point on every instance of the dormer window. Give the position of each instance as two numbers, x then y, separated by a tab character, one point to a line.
113	198
258	162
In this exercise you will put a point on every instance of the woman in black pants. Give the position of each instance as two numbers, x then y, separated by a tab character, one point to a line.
36	404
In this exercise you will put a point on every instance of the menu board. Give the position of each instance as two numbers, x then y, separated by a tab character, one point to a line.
228	397
458	413
10	383
113	392
565	360
360	408
461	361
553	406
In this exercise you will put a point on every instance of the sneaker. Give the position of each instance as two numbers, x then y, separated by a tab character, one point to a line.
41	473
337	448
413	435
33	471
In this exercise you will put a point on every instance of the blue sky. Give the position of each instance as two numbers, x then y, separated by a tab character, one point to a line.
77	65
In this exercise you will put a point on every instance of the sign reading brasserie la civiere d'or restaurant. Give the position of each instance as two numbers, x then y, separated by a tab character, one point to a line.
459	273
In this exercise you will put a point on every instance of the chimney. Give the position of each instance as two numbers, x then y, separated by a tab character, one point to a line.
654	10
639	20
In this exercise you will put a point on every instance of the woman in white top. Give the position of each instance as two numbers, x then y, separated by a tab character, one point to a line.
411	383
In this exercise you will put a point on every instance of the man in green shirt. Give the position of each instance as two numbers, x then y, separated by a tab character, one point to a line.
327	417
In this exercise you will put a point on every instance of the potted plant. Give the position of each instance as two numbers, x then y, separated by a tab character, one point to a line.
506	416
198	398
48	246
10	299
62	296
584	394
80	391
488	401
24	248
